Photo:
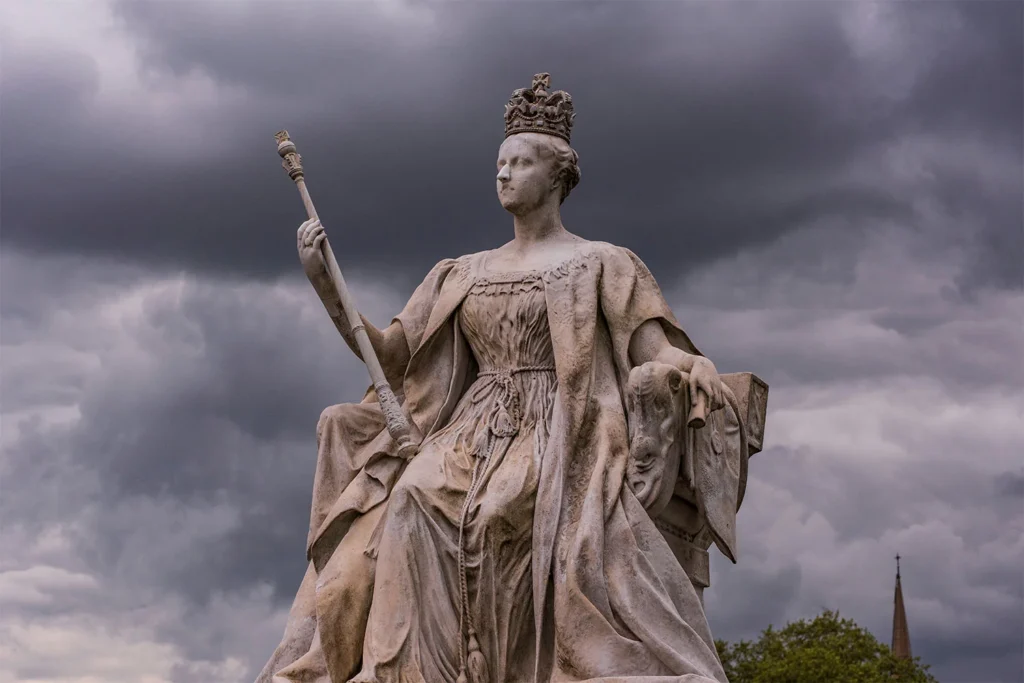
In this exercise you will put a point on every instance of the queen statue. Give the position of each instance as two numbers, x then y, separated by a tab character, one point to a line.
520	542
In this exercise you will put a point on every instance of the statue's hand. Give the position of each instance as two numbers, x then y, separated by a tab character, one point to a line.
310	235
704	377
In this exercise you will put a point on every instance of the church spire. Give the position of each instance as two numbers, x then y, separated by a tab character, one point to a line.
900	633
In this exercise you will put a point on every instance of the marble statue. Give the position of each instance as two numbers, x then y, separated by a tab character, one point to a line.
575	452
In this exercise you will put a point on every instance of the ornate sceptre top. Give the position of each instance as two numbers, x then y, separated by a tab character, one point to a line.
292	162
399	426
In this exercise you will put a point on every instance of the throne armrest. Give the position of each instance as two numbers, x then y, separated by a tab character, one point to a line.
752	394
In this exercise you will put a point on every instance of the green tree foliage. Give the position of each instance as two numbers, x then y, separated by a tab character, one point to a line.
827	649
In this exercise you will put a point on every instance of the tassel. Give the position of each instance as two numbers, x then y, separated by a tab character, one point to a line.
462	676
477	664
503	424
479	446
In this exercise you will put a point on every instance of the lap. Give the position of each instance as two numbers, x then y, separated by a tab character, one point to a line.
439	478
435	482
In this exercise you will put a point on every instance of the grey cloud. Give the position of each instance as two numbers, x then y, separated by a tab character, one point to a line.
862	230
874	300
842	515
196	394
978	80
673	156
1010	484
731	611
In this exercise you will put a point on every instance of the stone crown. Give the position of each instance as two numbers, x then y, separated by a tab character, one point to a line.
535	110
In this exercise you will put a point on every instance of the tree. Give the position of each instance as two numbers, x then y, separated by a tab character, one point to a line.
826	649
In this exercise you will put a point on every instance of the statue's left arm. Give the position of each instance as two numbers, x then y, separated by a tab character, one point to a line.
649	343
644	328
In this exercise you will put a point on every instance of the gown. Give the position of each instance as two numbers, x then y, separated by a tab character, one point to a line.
453	572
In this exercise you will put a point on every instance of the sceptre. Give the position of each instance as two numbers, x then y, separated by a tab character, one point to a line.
398	425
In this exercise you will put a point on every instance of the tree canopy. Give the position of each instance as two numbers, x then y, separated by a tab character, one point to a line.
826	649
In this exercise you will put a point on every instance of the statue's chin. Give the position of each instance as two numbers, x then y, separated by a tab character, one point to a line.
518	208
511	205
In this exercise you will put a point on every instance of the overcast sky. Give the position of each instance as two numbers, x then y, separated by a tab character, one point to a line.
828	194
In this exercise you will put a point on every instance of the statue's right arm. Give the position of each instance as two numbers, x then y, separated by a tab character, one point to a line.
389	344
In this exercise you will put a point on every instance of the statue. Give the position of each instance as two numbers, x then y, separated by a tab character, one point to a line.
556	411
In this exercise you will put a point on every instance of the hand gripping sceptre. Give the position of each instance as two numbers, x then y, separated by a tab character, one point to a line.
402	431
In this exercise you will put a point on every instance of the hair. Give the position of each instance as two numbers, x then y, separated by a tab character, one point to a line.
566	169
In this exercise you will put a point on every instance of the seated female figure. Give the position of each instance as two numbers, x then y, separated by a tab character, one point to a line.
511	547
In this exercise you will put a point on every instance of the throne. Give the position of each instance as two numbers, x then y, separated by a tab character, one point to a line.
693	482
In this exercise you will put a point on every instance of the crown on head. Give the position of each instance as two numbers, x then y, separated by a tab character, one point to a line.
535	110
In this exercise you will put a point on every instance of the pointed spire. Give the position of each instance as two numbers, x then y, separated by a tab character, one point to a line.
900	632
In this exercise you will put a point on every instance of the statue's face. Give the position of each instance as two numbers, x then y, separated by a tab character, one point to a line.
525	180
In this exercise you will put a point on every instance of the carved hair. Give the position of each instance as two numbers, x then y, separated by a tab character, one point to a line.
566	168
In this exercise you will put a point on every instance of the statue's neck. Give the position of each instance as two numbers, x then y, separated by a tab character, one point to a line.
537	227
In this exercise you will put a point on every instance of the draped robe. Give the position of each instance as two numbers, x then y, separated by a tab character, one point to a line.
611	601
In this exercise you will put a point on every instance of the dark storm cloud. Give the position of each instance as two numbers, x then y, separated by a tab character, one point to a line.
400	120
975	88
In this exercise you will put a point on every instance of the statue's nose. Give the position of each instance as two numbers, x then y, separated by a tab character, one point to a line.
505	173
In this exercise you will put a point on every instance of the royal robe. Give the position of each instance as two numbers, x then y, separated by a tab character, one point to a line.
611	600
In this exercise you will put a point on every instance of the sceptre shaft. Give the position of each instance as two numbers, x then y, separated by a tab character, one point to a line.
398	425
